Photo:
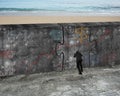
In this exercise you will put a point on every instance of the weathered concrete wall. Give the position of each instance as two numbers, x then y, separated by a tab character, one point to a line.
26	49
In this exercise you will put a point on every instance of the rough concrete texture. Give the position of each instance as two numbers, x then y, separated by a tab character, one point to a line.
26	49
93	82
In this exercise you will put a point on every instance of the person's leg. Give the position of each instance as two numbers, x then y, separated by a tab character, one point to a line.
78	66
81	67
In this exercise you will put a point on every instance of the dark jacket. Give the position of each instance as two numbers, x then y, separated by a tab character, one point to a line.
78	56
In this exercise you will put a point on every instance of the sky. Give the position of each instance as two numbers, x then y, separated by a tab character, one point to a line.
57	3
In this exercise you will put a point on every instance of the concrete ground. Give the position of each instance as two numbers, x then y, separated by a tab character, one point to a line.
93	82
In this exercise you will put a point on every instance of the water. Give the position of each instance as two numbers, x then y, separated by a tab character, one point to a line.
70	6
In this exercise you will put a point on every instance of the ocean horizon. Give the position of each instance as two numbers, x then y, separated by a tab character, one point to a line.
73	7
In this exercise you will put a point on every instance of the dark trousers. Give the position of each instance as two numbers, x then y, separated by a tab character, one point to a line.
79	66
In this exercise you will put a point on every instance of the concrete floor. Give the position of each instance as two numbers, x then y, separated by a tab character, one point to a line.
93	82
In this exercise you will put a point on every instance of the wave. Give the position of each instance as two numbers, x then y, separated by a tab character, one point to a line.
72	8
18	9
29	9
106	8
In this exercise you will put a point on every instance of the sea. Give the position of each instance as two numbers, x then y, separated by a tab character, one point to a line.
60	7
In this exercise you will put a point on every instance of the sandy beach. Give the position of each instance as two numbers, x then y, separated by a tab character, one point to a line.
55	19
56	11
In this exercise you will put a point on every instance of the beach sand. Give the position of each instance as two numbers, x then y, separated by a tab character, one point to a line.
5	20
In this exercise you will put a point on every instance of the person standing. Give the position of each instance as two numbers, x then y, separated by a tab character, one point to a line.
78	57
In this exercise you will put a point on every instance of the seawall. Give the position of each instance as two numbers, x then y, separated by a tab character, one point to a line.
33	48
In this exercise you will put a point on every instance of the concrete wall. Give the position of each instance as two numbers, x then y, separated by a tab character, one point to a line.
26	49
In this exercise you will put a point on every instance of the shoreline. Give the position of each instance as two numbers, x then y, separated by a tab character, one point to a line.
56	13
6	20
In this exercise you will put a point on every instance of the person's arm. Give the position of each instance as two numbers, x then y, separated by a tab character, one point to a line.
81	54
75	55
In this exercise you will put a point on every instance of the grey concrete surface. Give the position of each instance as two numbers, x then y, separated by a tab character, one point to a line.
34	48
97	81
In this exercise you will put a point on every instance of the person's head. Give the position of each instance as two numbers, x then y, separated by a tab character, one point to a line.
77	51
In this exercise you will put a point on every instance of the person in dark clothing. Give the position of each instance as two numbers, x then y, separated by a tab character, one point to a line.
78	57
